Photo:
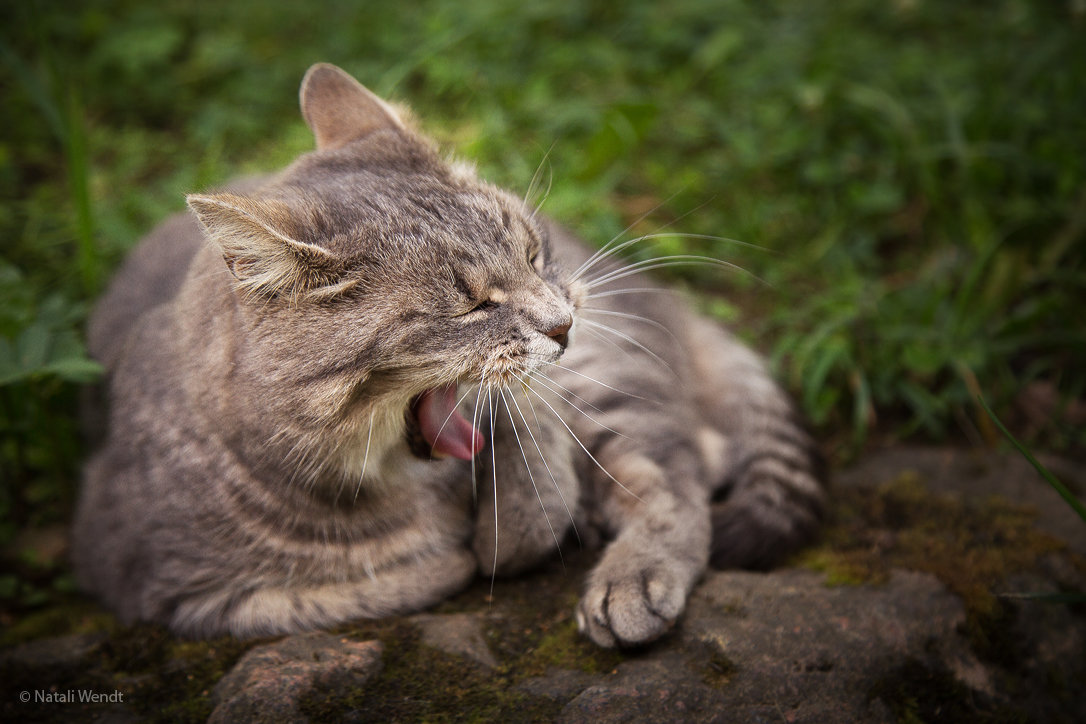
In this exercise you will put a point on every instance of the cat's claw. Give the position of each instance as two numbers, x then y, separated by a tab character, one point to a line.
631	610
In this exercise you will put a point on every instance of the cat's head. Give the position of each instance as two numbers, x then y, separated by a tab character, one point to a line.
373	271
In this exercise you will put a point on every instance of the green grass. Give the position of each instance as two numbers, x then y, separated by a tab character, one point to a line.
915	173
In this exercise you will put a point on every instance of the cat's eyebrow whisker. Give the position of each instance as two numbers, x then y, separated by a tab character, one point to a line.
631	340
546	194
536	177
662	262
582	446
528	468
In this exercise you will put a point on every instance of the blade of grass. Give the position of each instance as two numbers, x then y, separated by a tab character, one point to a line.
1059	487
1047	597
75	148
65	119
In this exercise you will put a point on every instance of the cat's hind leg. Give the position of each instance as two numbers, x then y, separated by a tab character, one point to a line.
769	476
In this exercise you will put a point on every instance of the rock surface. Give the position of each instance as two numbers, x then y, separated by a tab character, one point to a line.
892	617
269	682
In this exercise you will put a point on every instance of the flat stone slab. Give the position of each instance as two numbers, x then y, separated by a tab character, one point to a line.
873	624
270	681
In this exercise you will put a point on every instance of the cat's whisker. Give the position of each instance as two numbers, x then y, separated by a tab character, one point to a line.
582	375
365	459
631	340
475	426
544	380
662	262
583	447
606	250
607	340
628	290
528	468
494	474
607	253
634	317
451	413
543	457
538	375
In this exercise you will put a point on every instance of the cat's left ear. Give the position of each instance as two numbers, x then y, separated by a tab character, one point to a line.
339	109
254	236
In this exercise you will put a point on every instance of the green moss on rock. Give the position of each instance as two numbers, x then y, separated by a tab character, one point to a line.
970	545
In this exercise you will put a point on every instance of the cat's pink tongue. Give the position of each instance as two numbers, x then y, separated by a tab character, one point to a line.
443	427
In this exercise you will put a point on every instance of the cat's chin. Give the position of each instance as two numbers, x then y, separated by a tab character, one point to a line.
436	430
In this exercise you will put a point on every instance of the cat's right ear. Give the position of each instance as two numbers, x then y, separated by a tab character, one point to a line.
255	238
339	109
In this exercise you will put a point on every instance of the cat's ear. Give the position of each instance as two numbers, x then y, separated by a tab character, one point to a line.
254	238
339	109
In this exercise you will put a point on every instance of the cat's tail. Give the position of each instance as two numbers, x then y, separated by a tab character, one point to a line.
772	500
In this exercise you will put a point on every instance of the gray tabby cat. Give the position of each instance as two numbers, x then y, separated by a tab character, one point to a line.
343	391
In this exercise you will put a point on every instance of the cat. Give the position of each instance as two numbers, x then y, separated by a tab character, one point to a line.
345	390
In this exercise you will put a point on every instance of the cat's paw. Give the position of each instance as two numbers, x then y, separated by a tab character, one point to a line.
631	607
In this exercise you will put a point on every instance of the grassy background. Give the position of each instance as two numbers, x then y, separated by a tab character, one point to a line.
914	173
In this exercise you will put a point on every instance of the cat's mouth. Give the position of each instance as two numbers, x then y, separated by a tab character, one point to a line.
435	429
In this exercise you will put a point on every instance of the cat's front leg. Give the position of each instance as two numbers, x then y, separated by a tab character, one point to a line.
660	519
526	487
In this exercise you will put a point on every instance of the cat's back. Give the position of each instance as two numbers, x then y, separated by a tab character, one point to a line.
150	276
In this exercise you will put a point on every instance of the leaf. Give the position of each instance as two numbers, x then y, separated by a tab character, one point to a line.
32	346
923	358
40	351
75	369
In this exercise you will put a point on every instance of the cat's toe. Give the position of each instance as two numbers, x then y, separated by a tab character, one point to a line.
631	610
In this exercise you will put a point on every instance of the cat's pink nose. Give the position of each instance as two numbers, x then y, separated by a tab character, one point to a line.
560	332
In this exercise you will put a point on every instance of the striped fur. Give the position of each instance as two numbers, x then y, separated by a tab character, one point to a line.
269	358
